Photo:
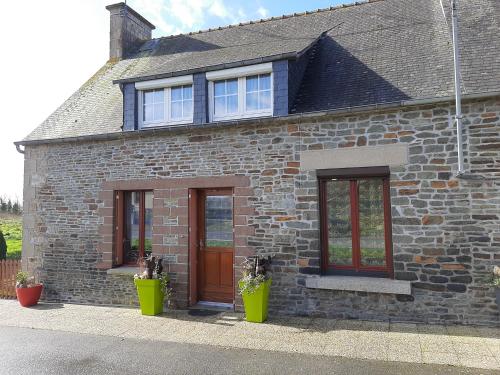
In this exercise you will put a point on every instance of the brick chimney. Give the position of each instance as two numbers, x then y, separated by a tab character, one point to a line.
128	29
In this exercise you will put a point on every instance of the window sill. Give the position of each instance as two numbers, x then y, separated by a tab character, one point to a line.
242	116
123	270
359	284
153	125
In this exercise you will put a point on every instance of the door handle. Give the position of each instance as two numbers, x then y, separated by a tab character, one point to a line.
200	245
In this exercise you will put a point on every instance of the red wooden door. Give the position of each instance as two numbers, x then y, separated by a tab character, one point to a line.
216	246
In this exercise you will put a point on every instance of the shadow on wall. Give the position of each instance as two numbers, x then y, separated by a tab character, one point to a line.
334	78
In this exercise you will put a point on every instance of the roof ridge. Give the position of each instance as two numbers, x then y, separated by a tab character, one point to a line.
275	18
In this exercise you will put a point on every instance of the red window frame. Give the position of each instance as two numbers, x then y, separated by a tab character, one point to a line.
354	175
121	225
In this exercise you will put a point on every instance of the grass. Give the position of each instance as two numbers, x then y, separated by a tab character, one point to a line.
12	228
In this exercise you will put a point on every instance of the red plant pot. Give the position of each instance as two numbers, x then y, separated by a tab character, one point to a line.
29	296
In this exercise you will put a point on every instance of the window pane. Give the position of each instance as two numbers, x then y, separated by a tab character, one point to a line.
219	88
339	223
265	100
176	93
159	95
188	92
176	110
232	104
219	221
371	222
148	223
187	108
265	82
148	97
220	106
148	113
159	112
253	101
252	83
131	242
232	86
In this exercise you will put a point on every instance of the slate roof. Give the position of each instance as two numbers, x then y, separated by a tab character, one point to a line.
368	53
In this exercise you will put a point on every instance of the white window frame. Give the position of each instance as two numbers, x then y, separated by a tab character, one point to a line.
241	74
166	85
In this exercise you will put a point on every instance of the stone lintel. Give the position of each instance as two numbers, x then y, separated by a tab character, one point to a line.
359	284
366	156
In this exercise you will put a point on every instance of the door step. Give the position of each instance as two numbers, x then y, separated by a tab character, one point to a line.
213	306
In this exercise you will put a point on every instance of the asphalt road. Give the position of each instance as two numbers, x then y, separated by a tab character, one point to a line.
31	351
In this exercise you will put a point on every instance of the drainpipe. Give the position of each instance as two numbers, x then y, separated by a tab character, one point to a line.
458	94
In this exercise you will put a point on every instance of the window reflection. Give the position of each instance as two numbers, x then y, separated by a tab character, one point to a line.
371	222
339	223
219	221
132	216
138	236
258	92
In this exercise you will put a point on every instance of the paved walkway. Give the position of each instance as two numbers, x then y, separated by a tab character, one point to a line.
476	347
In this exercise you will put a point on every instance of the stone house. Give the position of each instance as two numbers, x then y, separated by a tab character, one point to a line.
325	139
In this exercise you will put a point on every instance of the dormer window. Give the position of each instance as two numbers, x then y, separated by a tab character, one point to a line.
165	101
241	92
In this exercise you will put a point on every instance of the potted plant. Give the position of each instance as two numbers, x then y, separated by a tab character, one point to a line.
494	281
27	290
153	287
254	287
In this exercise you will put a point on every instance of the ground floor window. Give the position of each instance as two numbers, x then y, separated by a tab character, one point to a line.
355	221
134	226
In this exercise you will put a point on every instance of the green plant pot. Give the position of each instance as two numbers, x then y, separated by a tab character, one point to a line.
256	303
150	296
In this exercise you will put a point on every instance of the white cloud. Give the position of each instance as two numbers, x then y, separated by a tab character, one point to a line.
263	12
219	9
153	11
174	16
241	15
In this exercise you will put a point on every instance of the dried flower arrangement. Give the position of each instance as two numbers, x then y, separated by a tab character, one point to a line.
256	271
152	268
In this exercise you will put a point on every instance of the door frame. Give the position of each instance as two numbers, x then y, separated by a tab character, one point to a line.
195	198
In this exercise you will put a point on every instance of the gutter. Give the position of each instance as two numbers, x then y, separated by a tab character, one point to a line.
18	147
306	116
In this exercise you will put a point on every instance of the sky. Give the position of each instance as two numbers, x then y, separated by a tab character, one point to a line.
50	48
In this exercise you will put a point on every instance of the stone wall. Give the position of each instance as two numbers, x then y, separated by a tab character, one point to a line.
446	230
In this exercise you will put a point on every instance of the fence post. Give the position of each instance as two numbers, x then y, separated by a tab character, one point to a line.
8	271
